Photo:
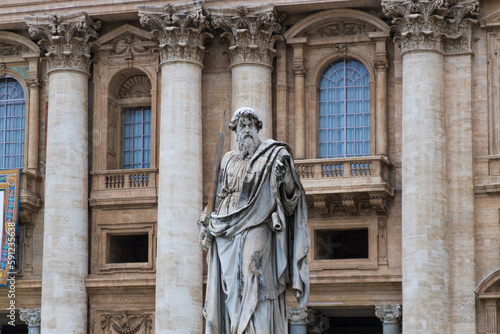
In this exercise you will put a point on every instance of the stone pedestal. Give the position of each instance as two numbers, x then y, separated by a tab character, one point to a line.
389	315
250	32
65	244
179	264
32	318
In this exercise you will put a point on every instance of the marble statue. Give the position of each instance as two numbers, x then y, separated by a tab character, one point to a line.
257	237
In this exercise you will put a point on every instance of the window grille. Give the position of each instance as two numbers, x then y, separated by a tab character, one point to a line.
137	138
344	110
12	119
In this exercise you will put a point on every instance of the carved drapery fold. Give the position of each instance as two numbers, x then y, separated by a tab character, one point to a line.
181	30
251	32
388	314
67	39
437	25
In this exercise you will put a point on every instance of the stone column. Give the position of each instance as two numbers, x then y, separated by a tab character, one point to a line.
389	315
34	112
179	265
297	317
250	32
65	245
32	318
425	28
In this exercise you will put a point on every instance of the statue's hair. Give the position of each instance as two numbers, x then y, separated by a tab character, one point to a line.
245	112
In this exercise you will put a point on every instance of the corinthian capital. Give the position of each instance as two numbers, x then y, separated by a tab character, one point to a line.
30	316
250	31
439	25
180	29
388	313
67	39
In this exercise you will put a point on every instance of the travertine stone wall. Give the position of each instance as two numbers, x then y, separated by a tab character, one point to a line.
64	296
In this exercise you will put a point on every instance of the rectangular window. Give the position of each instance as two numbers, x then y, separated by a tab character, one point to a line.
137	138
341	244
128	248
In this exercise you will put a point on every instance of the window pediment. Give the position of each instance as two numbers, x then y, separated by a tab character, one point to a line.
490	285
126	40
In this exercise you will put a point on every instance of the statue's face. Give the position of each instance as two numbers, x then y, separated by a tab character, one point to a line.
247	136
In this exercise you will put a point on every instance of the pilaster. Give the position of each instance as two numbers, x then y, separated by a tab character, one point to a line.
67	40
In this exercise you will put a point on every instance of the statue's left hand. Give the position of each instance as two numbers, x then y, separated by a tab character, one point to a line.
284	175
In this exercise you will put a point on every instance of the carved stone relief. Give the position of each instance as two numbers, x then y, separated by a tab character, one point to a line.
136	86
435	25
251	33
9	50
126	323
342	29
181	30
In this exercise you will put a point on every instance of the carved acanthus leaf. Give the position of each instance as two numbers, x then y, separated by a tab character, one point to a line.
251	33
67	39
388	313
30	316
296	315
440	25
181	30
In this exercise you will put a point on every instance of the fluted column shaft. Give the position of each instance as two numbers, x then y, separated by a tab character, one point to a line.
65	244
251	33
179	265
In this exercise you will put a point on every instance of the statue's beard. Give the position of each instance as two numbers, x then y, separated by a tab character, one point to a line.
247	144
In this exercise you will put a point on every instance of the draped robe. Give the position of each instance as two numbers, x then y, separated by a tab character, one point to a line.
260	247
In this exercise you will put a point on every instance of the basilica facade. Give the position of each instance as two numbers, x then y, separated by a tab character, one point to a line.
112	111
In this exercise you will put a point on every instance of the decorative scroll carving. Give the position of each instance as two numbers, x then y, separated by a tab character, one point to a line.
31	316
379	204
136	86
322	206
9	50
66	38
351	205
388	314
180	29
250	31
439	25
342	29
125	323
298	67
33	83
381	64
316	322
296	315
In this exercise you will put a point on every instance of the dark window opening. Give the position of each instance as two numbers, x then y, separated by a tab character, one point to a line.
355	325
128	248
341	244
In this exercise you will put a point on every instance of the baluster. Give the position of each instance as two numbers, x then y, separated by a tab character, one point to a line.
121	179
106	180
147	180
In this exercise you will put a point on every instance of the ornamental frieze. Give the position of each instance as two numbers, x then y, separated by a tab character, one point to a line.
438	25
251	32
9	50
67	39
342	29
181	30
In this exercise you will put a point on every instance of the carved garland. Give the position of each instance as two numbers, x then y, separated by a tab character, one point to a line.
181	33
440	25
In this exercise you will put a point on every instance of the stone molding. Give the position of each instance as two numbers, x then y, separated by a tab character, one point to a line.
251	32
181	30
68	39
436	25
296	315
31	316
388	314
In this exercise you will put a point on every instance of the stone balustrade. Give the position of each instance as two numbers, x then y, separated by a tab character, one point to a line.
345	175
124	186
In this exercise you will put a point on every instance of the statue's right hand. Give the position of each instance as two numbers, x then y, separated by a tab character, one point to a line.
205	238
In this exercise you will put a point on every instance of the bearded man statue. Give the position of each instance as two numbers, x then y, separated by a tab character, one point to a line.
257	237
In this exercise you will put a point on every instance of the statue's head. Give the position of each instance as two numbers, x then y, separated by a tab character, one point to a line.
247	124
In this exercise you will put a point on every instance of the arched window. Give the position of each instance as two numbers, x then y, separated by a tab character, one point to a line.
12	111
344	110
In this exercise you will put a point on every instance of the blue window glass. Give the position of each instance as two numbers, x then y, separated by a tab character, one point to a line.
137	138
12	119
344	110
